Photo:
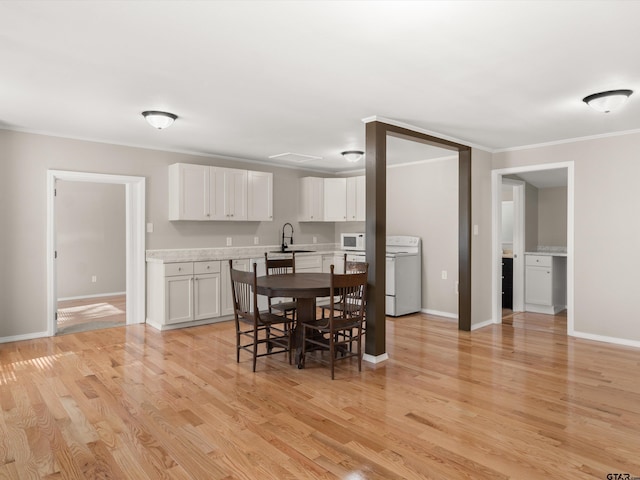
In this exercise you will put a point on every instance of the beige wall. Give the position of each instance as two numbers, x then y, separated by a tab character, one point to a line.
25	161
422	200
90	238
552	217
481	248
606	232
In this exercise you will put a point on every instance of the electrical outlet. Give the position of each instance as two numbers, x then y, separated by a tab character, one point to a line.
94	278
315	239
256	240
475	229
149	227
444	274
229	242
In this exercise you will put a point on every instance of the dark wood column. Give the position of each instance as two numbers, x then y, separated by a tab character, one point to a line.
464	239
376	226
376	230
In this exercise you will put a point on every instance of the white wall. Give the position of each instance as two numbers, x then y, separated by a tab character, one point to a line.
606	230
25	161
90	238
422	200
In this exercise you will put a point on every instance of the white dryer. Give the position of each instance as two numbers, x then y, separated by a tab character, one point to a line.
403	277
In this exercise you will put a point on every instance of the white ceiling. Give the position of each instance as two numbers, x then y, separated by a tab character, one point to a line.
254	79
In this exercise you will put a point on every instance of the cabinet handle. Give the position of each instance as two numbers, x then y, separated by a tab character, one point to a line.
179	269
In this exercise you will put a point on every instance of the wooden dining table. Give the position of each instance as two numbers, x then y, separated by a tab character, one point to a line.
305	288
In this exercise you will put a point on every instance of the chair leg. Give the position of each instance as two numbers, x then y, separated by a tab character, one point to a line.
332	354
255	348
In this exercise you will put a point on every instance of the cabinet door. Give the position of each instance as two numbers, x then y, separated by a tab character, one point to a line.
260	196
538	285
356	199
179	299
335	199
206	299
311	199
188	192
336	260
235	194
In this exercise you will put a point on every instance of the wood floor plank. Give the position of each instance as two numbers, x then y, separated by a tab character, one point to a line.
514	401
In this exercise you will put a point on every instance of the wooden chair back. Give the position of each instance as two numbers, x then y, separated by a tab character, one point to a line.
351	288
243	287
280	266
354	267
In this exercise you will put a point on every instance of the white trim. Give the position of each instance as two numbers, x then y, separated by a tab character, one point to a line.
519	213
135	240
375	359
496	185
567	140
486	323
26	336
396	123
95	295
420	162
438	313
603	338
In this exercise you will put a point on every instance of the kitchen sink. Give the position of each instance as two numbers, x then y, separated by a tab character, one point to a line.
291	251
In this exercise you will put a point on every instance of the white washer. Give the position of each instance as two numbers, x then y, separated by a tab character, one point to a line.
403	277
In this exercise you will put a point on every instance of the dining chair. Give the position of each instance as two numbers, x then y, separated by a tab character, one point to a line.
281	266
343	327
255	327
349	267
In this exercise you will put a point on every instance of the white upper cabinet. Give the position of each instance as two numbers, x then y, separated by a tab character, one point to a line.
200	192
188	192
260	198
335	199
229	193
311	199
356	199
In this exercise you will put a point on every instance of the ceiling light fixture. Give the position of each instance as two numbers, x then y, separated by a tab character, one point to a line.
606	101
158	119
352	156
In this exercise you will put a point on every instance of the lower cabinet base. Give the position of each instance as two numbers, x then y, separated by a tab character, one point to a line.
548	309
173	326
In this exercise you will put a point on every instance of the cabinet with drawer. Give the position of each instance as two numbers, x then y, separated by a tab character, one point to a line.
178	293
545	283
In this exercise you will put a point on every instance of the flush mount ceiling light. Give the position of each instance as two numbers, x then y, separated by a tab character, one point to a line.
158	119
352	156
606	101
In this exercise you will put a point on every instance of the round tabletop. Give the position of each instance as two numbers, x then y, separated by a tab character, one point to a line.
297	285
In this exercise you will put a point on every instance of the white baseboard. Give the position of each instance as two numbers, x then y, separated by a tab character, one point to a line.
603	338
438	313
95	295
476	326
375	359
27	336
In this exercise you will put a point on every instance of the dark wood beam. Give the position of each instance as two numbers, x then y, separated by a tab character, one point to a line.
376	223
376	230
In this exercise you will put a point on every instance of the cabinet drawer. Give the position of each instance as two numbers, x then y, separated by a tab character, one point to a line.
539	260
206	267
184	268
310	261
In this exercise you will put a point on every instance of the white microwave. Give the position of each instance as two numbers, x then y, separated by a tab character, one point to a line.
352	241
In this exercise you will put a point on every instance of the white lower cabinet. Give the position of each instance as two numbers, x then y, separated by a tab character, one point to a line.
309	263
178	293
545	283
336	260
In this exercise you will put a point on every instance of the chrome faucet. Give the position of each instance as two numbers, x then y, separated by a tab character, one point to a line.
290	237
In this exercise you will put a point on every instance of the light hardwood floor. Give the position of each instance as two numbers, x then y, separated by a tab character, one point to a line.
91	313
522	402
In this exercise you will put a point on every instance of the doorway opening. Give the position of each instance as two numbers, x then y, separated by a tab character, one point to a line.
553	238
115	306
91	256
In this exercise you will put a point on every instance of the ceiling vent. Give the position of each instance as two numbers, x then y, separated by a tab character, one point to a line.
294	157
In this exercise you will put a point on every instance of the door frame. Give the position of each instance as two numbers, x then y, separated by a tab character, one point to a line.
519	221
496	254
135	241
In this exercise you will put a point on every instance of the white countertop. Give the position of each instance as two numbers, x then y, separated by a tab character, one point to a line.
232	253
548	254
